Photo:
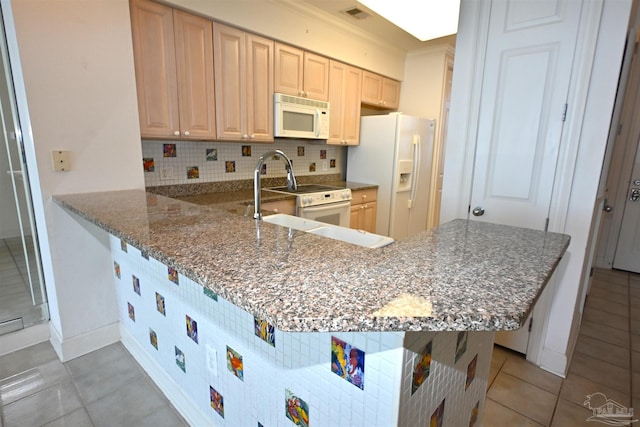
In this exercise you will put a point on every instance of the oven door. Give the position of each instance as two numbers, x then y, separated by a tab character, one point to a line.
332	213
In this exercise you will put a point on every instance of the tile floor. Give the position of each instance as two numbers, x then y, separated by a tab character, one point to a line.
108	388
606	360
15	298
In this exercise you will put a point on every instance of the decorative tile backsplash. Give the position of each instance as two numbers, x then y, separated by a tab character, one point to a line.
182	162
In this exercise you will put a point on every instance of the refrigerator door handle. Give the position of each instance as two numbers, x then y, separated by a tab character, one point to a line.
416	169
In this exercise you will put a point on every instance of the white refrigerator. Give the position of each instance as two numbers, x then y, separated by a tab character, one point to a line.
395	153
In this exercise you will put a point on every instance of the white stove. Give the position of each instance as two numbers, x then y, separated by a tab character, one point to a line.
321	202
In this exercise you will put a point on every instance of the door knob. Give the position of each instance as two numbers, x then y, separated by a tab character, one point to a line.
607	208
477	211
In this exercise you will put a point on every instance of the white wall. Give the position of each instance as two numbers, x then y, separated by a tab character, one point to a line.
77	66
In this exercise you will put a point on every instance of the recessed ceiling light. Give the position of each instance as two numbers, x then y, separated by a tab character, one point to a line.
423	19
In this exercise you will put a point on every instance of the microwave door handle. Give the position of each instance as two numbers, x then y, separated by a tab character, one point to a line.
317	123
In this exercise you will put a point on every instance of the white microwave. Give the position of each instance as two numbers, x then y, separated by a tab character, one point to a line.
297	117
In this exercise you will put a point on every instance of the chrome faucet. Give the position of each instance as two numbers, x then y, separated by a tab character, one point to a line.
291	179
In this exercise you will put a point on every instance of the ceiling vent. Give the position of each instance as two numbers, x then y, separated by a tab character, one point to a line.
356	13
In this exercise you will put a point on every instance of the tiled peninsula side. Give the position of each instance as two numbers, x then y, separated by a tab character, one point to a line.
222	366
246	323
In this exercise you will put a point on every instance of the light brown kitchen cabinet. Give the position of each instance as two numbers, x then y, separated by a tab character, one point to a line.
243	85
301	73
173	56
380	91
344	99
363	210
287	206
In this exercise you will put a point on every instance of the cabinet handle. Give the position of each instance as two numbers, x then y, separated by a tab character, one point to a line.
252	136
245	136
186	133
176	133
364	196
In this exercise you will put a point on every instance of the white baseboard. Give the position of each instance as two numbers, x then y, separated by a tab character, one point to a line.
183	404
554	362
24	338
79	345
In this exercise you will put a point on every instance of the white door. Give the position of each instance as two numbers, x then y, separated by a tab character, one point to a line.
530	50
628	249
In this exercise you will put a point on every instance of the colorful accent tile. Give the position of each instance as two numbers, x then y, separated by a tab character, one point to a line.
296	409
347	362
173	275
246	151
169	150
312	167
323	154
144	255
132	312
217	402
229	166
300	151
208	292
211	154
180	360
160	304
263	169
332	163
234	363
474	415
265	331
471	372
148	164
193	172
136	284
421	367
192	329
437	416
116	267
153	338
123	245
461	344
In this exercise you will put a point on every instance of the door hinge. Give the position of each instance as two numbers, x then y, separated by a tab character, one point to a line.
469	209
530	324
564	112
546	225
619	128
593	269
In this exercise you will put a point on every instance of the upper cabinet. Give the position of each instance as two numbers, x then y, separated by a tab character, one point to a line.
379	91
243	84
301	73
344	99
173	54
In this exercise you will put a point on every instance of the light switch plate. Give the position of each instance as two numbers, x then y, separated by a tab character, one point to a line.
166	173
212	361
61	160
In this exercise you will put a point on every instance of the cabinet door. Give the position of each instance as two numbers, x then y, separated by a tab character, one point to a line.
230	86
355	218
344	99
316	77
351	105
194	55
371	88
368	217
289	65
259	88
155	63
390	94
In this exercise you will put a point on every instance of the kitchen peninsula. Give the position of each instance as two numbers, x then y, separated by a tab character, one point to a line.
242	322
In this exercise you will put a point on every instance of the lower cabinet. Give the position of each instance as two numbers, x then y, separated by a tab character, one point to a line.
287	206
363	210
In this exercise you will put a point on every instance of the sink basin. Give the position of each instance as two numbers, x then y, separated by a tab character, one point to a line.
348	235
291	221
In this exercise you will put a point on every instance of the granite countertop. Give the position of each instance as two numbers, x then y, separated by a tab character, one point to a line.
462	275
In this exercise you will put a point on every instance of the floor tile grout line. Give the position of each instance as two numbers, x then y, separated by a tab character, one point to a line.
516	411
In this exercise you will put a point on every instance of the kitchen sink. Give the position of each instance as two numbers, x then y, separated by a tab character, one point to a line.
348	235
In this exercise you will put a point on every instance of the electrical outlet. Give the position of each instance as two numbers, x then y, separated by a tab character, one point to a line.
166	173
212	361
324	165
61	160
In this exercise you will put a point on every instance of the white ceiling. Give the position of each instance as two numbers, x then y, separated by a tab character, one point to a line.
375	25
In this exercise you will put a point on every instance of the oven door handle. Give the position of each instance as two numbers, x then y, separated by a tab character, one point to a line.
327	206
